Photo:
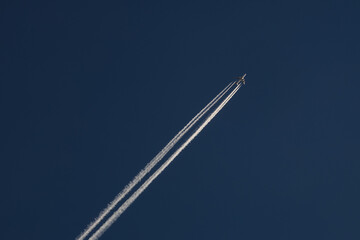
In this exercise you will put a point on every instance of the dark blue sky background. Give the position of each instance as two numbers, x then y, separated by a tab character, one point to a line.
91	91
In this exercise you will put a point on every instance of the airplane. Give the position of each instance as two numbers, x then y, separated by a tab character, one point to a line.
241	79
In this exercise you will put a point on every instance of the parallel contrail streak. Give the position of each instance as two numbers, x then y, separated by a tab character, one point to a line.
152	163
133	197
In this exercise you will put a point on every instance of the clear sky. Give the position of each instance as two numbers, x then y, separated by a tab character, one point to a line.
92	90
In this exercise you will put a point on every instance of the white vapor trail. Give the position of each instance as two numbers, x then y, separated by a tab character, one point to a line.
133	197
152	163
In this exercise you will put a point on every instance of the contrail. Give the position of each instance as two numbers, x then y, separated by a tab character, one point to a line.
133	197
152	163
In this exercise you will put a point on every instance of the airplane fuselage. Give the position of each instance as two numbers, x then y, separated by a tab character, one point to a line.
241	80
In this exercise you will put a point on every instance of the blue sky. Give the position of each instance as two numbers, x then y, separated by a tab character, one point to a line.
91	91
